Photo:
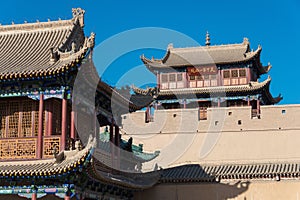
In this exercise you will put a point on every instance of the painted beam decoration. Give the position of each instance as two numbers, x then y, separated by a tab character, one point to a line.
53	92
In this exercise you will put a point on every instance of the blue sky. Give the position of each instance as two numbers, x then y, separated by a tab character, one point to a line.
273	24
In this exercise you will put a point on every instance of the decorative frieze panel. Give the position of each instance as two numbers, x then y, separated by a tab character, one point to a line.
24	148
49	144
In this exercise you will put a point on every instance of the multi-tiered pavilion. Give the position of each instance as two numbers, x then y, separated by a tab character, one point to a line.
211	76
45	148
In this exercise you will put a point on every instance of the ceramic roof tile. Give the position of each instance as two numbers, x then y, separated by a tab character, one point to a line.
203	55
195	172
25	48
206	55
49	166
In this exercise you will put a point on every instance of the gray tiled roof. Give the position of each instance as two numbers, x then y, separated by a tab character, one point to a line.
136	180
203	55
25	48
46	167
211	173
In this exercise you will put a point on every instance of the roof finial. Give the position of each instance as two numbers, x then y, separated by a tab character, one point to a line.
207	43
78	13
246	41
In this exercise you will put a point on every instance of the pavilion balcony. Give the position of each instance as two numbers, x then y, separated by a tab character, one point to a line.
27	147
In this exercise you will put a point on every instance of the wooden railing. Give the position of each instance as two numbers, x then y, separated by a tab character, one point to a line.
18	148
49	143
26	148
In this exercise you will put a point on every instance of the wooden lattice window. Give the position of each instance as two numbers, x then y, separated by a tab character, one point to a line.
234	73
226	74
179	77
26	125
56	118
13	119
172	78
199	78
242	73
164	78
36	120
3	114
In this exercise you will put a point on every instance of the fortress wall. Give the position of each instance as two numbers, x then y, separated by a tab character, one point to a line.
229	134
267	190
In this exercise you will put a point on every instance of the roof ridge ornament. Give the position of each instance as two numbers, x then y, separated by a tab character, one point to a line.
91	40
54	56
246	41
207	42
78	14
170	46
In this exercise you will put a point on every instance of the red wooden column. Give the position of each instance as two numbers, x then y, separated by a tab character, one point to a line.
184	104
220	78
73	136
219	102
63	123
50	117
40	128
34	196
248	75
46	118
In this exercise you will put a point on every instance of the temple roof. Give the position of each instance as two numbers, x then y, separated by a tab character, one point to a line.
206	55
100	172
69	161
42	48
211	173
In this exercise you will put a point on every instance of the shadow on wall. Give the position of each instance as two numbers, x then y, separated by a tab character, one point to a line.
192	182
